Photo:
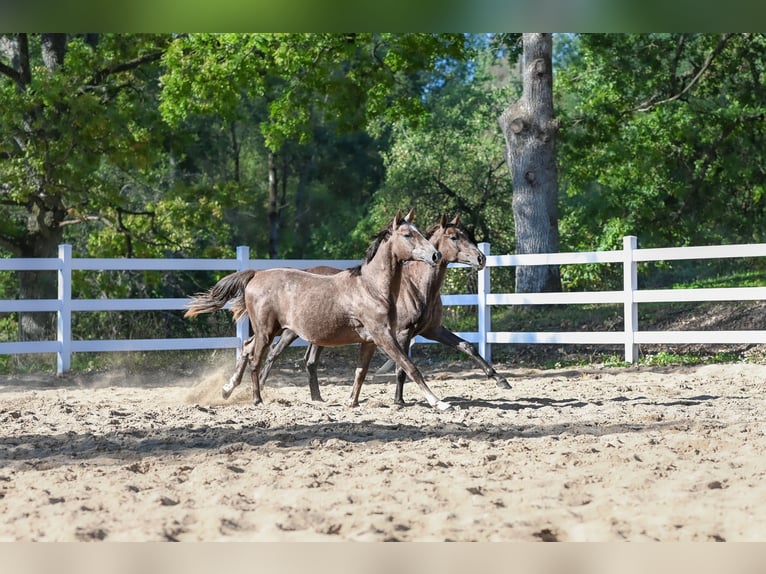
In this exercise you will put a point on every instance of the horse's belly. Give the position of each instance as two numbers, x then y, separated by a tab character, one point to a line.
330	320
330	336
339	341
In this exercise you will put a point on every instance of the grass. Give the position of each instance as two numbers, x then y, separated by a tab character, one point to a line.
750	278
665	359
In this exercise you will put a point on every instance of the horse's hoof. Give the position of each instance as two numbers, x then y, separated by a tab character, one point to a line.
503	384
443	406
400	403
226	393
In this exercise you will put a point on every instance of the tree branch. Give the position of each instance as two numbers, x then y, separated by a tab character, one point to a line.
10	72
649	104
15	47
102	74
461	204
84	218
676	60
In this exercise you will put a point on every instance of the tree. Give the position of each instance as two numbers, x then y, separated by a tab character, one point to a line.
71	106
338	81
530	130
453	161
664	139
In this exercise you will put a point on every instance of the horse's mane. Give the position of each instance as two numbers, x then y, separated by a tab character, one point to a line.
467	232
431	230
382	236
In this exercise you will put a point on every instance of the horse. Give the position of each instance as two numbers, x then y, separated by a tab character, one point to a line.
354	306
419	308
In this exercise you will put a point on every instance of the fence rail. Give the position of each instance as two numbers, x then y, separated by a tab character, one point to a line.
630	297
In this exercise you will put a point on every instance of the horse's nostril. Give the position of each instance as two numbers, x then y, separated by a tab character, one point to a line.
436	256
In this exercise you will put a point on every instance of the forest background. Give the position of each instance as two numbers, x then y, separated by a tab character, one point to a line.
303	145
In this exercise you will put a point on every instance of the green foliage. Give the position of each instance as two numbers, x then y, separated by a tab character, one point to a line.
311	97
344	78
666	359
59	125
158	145
102	156
661	138
453	162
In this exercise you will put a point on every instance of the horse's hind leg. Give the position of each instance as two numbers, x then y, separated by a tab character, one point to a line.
285	340
310	360
447	337
239	370
256	356
366	351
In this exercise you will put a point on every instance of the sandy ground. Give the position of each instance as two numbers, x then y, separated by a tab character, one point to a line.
585	454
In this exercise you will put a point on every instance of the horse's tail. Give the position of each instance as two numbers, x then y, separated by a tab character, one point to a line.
230	287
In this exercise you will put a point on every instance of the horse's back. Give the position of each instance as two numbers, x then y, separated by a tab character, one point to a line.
316	307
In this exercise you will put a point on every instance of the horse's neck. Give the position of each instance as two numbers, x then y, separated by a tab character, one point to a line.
426	279
383	274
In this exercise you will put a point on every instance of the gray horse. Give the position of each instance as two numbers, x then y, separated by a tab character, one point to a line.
419	307
354	306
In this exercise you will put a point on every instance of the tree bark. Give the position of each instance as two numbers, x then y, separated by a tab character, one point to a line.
273	208
53	48
530	127
302	202
39	285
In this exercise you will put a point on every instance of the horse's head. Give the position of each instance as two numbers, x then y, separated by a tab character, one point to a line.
408	243
454	244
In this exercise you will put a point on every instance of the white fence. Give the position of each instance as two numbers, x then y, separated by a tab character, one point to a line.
630	297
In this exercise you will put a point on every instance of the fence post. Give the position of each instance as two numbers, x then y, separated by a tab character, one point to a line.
243	325
64	315
485	318
630	285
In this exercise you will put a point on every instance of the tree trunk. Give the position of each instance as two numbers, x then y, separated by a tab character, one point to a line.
39	285
273	208
530	134
53	48
302	201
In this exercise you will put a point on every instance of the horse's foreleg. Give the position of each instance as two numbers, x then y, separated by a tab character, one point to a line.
447	337
366	351
392	348
239	370
310	360
285	340
401	376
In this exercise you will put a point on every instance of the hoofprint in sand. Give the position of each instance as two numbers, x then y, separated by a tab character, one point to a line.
579	454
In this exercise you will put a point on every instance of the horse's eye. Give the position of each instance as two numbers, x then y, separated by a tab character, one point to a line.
408	235
454	238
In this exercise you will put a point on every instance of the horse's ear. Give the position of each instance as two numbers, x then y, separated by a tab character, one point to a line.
456	221
397	219
410	217
443	220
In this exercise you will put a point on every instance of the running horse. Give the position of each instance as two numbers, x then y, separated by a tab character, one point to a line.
419	308
354	306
